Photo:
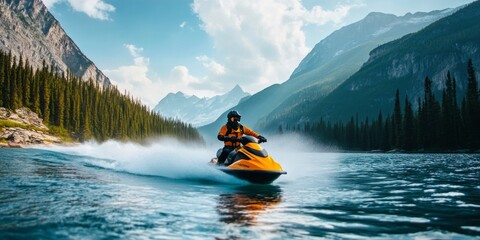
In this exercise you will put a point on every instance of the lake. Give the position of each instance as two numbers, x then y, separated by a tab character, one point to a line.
167	191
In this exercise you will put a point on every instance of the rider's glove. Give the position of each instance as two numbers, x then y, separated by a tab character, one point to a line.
261	139
223	138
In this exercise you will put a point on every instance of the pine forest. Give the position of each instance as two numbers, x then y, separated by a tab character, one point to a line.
437	125
82	108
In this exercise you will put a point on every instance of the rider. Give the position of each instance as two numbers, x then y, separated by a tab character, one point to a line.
232	132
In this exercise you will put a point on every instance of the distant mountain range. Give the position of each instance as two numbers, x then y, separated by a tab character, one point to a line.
445	45
328	65
198	111
27	29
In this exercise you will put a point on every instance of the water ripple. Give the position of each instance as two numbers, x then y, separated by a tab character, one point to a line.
45	195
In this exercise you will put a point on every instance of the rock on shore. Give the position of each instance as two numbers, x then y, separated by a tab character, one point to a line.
30	129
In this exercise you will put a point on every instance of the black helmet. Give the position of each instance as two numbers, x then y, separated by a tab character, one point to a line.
234	114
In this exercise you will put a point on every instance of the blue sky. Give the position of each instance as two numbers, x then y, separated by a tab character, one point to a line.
206	47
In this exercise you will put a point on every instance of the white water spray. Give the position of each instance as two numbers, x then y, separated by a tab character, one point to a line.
166	158
172	159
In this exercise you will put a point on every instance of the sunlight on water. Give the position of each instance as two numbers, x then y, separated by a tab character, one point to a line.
106	191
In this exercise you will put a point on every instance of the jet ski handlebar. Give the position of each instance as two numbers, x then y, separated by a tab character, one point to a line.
249	139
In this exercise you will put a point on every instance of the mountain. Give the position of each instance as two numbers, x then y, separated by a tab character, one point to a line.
330	62
340	55
375	27
446	45
198	111
27	29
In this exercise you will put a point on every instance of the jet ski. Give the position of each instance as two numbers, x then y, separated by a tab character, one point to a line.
250	162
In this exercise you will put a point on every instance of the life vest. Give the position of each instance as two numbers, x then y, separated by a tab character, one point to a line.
234	133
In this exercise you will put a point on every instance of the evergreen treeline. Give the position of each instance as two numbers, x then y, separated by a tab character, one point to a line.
82	108
437	125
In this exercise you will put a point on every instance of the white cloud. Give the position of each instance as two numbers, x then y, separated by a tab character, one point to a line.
93	8
136	80
182	77
133	78
320	16
212	66
183	24
258	43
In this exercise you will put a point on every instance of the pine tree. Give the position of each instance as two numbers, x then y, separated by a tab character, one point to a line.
397	121
45	93
430	117
13	101
19	80
7	99
27	81
472	105
2	77
408	126
36	92
387	135
448	122
378	128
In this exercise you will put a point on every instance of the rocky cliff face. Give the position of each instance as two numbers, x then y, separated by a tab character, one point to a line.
27	29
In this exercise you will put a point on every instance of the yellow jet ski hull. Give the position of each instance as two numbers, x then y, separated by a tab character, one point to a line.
253	164
254	176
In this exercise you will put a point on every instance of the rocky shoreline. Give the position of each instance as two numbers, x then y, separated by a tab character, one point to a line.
23	128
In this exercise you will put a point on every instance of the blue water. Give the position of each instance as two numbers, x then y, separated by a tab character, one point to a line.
126	191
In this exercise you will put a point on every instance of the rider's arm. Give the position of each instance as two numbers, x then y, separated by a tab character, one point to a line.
222	134
250	132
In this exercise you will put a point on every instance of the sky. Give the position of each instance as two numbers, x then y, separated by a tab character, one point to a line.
205	47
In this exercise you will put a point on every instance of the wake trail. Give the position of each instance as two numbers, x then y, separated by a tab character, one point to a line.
165	158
